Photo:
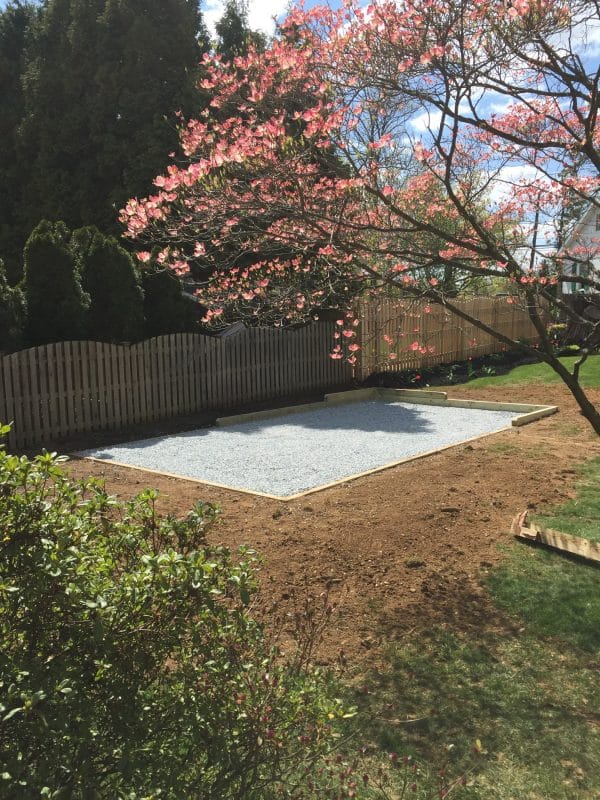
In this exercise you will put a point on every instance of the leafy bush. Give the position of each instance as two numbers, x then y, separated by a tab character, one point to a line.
56	303
12	314
556	333
449	373
131	666
166	308
116	312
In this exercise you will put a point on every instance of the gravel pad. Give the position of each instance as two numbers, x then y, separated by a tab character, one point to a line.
293	453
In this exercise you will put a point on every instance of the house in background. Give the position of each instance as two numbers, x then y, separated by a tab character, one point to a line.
581	250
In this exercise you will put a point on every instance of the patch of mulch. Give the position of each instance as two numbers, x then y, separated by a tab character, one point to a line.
403	549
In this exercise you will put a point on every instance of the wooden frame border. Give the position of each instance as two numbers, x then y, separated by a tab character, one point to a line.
563	542
525	413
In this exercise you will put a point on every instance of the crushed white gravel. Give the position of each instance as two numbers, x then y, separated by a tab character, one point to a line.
294	453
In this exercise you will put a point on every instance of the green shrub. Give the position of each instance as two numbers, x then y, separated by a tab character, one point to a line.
130	665
166	309
56	303
12	314
116	312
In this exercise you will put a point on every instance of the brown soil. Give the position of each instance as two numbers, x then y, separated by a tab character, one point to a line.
402	549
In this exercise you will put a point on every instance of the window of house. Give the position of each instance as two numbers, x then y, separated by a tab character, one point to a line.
574	271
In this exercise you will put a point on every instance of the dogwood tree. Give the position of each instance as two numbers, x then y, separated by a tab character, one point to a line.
454	135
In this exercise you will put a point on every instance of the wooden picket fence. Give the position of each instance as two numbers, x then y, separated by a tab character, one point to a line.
65	389
446	337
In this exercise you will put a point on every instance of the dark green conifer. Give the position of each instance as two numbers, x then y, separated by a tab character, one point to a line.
16	23
166	308
102	86
109	276
234	32
56	302
12	314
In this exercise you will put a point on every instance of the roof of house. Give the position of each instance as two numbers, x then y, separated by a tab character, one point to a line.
590	209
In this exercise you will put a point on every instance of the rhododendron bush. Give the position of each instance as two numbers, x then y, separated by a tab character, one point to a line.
393	147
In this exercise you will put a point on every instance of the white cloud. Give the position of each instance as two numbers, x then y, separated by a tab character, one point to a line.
212	12
499	104
503	183
430	119
426	120
260	14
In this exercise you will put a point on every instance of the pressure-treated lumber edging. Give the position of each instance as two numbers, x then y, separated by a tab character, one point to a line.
563	542
416	396
525	412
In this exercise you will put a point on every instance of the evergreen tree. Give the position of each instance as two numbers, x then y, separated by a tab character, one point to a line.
166	308
55	136
146	73
56	302
102	88
234	31
16	23
12	314
116	311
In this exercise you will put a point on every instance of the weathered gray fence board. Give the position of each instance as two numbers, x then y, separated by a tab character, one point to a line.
69	388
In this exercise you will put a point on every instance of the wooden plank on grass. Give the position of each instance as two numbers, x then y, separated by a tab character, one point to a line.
563	542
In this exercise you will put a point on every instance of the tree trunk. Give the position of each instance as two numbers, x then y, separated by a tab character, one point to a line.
588	409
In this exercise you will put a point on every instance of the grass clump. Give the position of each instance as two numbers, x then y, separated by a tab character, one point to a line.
505	712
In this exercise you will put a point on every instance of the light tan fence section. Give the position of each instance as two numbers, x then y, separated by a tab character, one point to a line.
447	337
59	390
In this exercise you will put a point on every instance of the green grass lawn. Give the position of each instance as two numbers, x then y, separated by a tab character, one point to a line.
541	373
531	698
530	694
581	516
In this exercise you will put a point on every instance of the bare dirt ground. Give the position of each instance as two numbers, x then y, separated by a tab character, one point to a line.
402	549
